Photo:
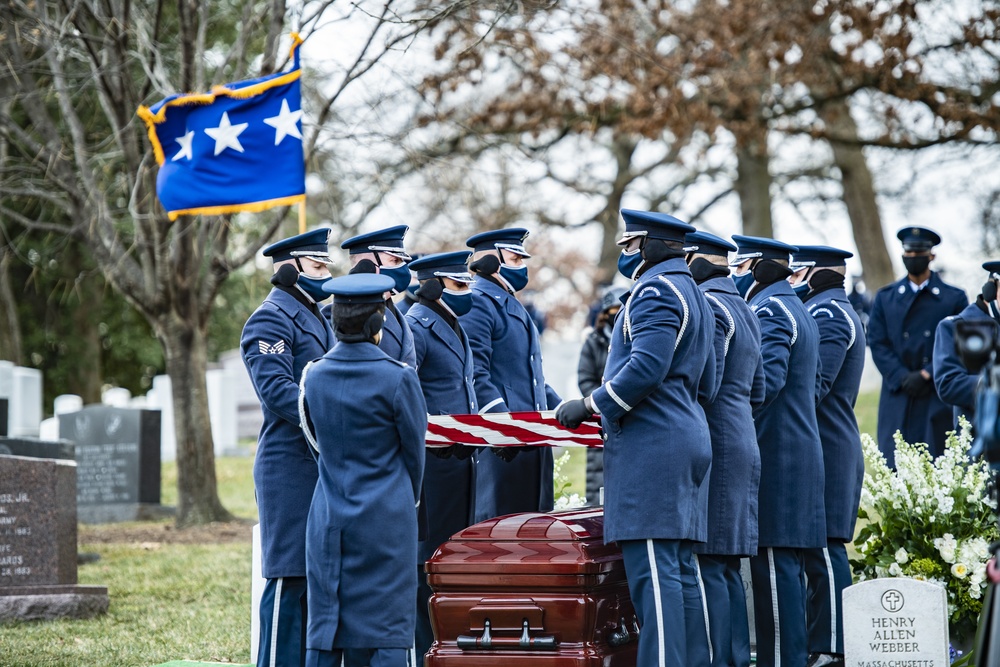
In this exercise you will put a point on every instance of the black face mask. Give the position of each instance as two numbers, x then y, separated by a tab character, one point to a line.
825	279
989	291
702	270
915	266
767	272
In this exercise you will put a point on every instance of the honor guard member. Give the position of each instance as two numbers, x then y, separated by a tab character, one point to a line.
509	378
365	415
446	372
842	361
382	252
901	330
658	451
284	334
955	385
790	513
733	482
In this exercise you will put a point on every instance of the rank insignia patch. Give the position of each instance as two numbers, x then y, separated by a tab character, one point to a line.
277	348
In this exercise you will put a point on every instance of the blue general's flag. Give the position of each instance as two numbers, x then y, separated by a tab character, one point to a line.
236	148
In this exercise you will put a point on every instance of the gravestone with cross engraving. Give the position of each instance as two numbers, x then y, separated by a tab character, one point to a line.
896	621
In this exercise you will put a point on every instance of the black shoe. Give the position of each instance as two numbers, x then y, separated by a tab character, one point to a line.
825	660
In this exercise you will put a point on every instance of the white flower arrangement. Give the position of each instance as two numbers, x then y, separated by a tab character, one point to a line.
930	520
561	483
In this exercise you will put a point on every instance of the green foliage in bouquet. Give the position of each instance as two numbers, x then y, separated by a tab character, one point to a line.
929	520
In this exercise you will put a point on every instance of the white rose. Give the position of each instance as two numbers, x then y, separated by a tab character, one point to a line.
895	570
960	570
902	556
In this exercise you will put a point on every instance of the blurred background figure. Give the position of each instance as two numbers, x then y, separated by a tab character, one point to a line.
590	373
860	299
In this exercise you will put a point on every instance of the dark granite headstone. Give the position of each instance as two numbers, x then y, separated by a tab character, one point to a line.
38	542
38	449
4	409
118	462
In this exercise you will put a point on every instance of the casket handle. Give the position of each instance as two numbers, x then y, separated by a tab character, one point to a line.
526	642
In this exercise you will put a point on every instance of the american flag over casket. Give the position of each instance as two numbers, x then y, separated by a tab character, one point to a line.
510	429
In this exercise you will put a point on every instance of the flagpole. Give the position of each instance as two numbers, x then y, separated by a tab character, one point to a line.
302	217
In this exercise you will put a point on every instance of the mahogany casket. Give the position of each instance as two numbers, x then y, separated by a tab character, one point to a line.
532	589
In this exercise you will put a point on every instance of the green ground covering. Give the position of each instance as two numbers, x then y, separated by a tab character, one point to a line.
182	595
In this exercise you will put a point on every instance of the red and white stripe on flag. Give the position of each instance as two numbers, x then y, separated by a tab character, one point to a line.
509	429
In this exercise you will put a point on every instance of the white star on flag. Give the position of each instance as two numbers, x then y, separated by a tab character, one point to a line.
285	123
185	142
227	134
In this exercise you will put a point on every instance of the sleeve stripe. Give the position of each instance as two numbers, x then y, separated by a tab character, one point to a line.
617	399
486	408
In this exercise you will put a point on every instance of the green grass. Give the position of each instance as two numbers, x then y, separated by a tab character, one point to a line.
234	476
866	410
173	602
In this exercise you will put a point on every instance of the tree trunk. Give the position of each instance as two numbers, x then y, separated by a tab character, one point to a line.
80	307
186	354
753	184
622	148
859	197
10	326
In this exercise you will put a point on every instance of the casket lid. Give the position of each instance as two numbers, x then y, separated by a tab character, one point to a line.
570	525
532	544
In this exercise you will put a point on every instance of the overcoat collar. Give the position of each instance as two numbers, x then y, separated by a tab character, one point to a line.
903	297
356	352
509	302
443	331
303	318
723	284
779	288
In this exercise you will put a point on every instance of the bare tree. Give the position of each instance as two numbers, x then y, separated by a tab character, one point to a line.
78	71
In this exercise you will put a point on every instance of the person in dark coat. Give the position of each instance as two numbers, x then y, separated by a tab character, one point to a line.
790	512
284	334
383	252
590	374
658	450
446	372
509	378
901	331
362	529
955	385
733	483
842	361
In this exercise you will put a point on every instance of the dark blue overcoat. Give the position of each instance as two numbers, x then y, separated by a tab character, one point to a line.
370	420
444	366
901	336
735	476
790	510
397	339
509	378
658	451
955	385
842	361
278	340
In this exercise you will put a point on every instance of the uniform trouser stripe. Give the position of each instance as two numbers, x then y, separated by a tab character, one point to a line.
704	607
833	597
274	623
774	607
658	603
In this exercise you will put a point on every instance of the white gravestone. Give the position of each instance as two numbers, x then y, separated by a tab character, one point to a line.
895	621
161	398
25	402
